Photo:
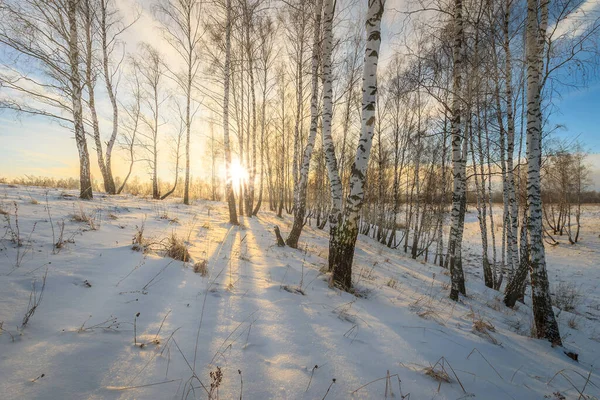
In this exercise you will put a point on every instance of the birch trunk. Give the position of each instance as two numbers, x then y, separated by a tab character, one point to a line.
90	82
251	165
545	321
226	72
302	183
510	143
85	181
457	214
348	231
111	90
335	182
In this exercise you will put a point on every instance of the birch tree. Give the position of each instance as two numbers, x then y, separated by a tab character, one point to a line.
335	183
102	28
537	22
459	146
90	27
226	142
348	231
183	29
267	33
110	29
152	72
130	123
302	183
29	29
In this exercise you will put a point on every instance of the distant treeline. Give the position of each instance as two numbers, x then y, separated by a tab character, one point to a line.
199	189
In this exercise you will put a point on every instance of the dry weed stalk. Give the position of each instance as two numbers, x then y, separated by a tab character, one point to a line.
35	299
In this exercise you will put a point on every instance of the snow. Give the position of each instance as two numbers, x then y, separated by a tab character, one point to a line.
246	315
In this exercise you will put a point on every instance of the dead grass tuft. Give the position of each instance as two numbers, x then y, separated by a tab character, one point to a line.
439	375
201	268
439	372
176	248
82	216
139	241
483	328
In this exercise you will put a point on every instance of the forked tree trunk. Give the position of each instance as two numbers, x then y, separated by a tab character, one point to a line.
302	183
110	89
90	82
545	321
348	231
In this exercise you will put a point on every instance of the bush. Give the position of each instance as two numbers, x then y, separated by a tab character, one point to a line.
566	296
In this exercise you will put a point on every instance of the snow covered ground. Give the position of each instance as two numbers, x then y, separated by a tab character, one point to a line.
115	323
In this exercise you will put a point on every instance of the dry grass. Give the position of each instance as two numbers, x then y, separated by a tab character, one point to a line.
572	322
176	248
483	328
82	216
439	375
201	268
439	372
35	299
138	241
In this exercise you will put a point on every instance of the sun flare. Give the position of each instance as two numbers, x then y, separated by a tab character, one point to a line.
238	173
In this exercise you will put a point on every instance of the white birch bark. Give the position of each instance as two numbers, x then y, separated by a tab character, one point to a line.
226	142
110	87
458	141
90	81
545	321
510	145
348	231
335	183
302	183
75	80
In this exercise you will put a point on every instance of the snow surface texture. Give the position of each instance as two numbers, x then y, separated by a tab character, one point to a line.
264	311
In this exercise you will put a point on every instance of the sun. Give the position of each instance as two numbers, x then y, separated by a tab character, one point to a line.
238	173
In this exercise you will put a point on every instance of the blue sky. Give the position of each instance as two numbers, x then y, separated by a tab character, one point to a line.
580	112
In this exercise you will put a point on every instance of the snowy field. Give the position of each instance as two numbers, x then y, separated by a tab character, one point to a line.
116	323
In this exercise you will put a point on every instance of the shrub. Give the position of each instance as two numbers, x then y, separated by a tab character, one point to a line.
567	296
